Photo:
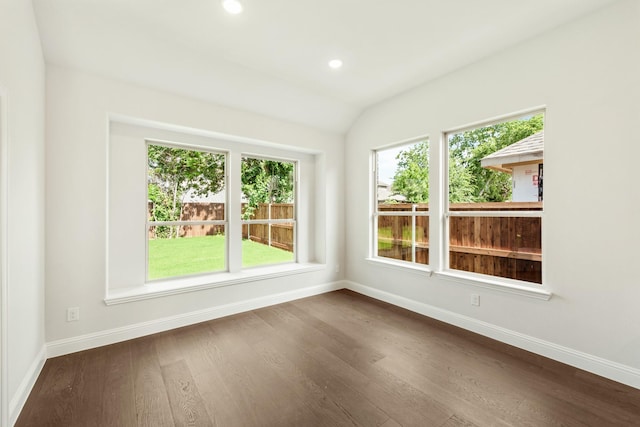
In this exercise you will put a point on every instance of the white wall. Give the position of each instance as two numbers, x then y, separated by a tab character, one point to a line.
78	105
22	91
587	74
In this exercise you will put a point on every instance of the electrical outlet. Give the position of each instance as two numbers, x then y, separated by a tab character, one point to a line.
73	314
337	268
475	299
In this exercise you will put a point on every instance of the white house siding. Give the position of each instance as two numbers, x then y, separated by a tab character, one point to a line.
525	183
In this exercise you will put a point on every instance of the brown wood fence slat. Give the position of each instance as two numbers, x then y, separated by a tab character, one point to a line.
281	234
508	247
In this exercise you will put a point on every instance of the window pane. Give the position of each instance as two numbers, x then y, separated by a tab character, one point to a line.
402	185
403	174
395	237
185	185
268	194
172	252
499	246
498	163
422	240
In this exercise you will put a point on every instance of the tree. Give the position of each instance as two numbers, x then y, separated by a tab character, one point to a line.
460	182
173	172
266	181
412	173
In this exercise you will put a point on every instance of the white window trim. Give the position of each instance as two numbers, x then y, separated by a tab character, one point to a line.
397	264
187	284
504	285
234	148
501	284
440	209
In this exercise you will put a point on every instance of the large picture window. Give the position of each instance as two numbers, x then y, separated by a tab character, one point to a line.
495	198
401	211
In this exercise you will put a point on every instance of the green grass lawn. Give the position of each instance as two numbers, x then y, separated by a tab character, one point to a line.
193	255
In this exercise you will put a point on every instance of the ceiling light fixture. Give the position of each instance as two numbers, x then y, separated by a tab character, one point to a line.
335	64
233	7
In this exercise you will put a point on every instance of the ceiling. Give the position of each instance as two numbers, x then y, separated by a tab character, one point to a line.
272	58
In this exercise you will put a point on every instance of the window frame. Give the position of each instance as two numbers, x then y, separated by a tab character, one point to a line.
440	214
448	213
125	243
413	214
224	222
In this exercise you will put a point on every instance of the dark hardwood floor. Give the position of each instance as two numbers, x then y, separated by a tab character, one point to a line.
338	359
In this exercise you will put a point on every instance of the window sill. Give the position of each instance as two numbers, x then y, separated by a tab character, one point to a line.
401	265
499	285
192	284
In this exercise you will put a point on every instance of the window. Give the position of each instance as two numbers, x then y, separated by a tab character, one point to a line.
190	210
494	210
268	211
186	194
489	197
401	211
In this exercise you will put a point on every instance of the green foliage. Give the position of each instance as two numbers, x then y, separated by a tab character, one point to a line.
161	208
460	182
266	181
172	172
412	174
468	180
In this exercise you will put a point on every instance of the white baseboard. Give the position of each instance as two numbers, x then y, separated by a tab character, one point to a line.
97	339
22	393
597	365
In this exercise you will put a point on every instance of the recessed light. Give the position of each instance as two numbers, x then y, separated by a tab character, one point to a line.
233	7
335	64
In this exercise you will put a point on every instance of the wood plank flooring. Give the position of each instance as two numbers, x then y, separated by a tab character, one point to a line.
338	359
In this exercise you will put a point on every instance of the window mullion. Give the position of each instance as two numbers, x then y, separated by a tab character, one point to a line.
413	233
234	213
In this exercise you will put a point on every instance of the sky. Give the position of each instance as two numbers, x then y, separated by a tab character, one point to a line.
387	163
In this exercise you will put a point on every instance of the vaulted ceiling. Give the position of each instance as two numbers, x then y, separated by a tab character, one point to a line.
272	58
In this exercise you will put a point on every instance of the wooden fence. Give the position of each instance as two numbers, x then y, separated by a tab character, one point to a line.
500	246
277	235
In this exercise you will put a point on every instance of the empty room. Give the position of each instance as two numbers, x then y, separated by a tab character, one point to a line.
319	213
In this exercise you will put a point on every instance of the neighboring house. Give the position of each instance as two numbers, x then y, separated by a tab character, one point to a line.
523	160
385	195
